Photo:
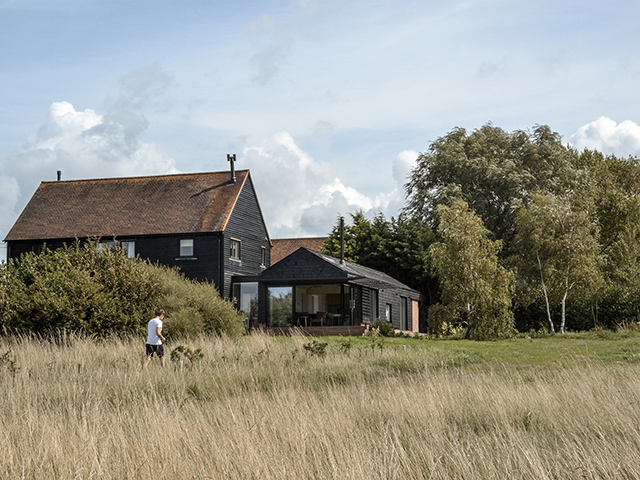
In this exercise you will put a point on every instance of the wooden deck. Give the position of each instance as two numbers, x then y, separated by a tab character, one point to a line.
344	331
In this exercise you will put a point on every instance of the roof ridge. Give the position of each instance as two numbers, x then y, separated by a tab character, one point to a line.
300	238
142	177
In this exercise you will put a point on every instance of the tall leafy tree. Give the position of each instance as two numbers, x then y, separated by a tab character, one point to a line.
619	299
473	284
559	249
397	247
491	170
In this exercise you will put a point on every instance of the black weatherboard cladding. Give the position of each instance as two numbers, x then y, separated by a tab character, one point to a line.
245	224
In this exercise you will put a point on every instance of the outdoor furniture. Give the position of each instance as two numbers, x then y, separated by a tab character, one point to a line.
303	317
319	317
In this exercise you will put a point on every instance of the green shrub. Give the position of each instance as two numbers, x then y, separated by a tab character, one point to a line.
194	307
439	319
181	351
384	328
80	289
316	347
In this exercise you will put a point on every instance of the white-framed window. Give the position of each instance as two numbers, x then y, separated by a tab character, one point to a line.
234	249
129	246
106	245
186	247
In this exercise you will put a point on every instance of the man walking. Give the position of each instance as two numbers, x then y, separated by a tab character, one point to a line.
155	340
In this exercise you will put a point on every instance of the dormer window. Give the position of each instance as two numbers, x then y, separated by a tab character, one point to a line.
234	249
186	247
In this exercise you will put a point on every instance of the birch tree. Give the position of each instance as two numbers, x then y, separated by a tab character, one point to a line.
472	282
559	249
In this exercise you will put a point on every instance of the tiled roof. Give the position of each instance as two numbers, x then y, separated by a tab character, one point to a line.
282	247
134	206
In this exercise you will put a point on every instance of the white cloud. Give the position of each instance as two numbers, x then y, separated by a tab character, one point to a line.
85	144
82	144
607	136
402	166
299	195
9	192
323	135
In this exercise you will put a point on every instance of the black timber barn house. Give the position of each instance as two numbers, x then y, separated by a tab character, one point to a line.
210	225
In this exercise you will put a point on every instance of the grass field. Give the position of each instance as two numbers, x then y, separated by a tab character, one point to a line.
266	408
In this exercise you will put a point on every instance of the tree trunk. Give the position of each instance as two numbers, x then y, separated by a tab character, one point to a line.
546	296
467	335
564	314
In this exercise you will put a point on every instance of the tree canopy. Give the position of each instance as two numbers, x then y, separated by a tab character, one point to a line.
567	222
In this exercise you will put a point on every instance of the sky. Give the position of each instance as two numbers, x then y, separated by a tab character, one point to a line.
327	102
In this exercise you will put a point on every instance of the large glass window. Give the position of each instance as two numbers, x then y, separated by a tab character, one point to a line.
129	246
279	306
186	247
246	295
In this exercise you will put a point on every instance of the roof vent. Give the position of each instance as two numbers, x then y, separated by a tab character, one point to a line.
232	160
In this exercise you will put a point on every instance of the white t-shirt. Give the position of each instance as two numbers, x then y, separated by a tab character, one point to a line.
152	336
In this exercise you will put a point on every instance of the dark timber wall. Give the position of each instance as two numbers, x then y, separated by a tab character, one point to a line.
245	224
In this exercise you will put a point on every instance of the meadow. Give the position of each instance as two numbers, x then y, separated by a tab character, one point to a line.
563	407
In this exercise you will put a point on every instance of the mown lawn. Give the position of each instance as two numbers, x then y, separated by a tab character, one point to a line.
560	350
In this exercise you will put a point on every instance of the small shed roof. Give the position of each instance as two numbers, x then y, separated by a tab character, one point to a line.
308	266
133	206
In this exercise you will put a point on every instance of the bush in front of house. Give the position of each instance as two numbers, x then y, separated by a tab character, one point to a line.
95	292
195	307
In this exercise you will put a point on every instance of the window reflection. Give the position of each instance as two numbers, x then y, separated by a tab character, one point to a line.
280	306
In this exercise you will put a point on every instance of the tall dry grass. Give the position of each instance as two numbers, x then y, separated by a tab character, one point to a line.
258	407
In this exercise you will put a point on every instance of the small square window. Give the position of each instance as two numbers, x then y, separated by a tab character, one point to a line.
234	249
186	248
129	247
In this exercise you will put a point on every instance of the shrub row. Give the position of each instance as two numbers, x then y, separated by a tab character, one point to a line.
100	293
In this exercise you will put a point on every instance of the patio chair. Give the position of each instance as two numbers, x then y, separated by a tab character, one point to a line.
319	318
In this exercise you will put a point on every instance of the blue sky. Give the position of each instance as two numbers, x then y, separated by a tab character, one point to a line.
328	103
